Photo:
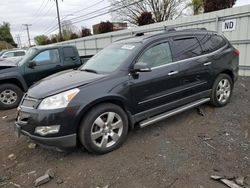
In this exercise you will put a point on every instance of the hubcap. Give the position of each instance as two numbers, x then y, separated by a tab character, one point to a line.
106	129
223	91
8	97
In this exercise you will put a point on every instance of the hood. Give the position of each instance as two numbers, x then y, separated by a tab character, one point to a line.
61	82
7	64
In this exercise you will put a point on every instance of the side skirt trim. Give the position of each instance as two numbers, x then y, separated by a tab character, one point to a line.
172	112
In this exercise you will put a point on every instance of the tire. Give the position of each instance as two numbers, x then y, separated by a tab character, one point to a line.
10	96
96	130
222	90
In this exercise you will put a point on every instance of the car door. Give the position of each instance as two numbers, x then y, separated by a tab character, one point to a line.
70	58
195	71
158	87
47	62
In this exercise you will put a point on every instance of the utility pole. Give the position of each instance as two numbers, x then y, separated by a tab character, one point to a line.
58	17
19	41
28	33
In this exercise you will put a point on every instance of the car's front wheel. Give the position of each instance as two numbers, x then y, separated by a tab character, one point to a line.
222	90
10	96
104	128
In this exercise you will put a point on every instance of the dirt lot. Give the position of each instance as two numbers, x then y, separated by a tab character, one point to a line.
173	153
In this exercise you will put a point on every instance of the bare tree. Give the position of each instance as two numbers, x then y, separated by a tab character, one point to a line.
161	10
67	29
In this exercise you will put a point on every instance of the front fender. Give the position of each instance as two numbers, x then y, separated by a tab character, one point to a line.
13	76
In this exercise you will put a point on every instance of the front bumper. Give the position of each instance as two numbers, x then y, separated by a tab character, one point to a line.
62	142
28	119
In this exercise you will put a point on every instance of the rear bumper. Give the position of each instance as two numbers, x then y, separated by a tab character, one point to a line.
61	142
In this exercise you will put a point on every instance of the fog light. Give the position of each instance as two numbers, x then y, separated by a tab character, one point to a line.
44	130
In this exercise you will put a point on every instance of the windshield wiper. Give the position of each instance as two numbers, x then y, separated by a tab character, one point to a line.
89	70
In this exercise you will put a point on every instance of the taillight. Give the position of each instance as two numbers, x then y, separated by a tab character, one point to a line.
237	52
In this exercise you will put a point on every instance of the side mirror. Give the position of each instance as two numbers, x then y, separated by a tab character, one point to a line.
31	64
141	67
4	56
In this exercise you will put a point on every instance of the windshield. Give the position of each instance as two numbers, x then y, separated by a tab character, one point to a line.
28	55
110	58
2	52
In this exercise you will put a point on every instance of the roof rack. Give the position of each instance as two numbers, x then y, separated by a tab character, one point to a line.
168	29
203	29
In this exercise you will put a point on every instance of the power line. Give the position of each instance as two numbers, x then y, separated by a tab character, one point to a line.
41	8
36	13
101	9
55	26
88	7
48	10
101	14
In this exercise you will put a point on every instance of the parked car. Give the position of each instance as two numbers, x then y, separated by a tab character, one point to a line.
38	63
133	82
11	60
2	52
13	53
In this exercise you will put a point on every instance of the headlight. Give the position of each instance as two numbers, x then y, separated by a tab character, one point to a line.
60	100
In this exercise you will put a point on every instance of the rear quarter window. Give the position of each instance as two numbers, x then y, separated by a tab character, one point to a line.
211	43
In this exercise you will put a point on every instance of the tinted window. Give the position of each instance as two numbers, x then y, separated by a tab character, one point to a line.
212	42
157	55
187	48
68	52
20	53
48	56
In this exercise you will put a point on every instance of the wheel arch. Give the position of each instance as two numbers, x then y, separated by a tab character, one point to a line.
228	72
117	100
13	81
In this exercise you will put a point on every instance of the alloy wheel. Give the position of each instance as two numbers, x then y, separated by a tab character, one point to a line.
8	97
106	129
223	91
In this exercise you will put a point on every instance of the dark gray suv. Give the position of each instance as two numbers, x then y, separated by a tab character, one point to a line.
133	82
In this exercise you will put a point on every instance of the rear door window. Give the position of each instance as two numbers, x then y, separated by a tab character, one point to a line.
69	52
69	55
211	43
186	48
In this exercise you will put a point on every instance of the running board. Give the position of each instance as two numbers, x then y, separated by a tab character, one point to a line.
172	112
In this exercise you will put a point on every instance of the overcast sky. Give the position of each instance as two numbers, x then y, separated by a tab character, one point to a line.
42	14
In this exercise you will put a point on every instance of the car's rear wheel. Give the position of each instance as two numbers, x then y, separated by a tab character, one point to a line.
104	128
10	96
222	90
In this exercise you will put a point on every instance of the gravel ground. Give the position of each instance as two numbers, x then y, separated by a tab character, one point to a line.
183	151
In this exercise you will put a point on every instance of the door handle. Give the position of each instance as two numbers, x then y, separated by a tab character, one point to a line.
172	73
208	63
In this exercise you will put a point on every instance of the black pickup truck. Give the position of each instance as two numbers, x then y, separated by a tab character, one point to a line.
38	63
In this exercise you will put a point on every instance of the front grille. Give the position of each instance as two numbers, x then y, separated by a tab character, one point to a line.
29	102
